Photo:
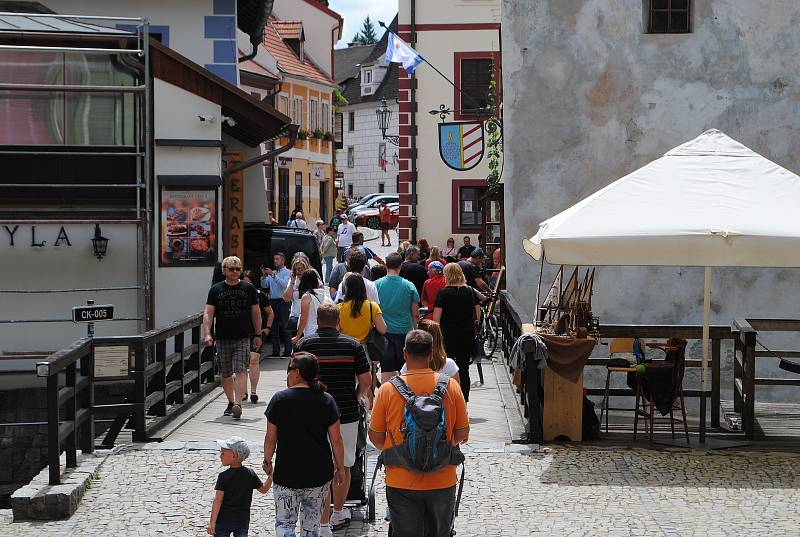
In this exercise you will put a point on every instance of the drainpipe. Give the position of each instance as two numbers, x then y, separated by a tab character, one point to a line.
413	121
292	131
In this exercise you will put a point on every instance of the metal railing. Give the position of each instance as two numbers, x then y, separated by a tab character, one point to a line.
165	380
514	322
744	366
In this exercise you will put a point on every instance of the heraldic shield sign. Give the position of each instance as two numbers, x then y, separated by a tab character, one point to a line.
461	144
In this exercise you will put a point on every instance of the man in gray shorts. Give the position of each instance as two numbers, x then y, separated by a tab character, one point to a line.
234	306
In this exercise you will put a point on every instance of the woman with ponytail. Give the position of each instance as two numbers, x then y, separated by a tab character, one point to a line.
303	423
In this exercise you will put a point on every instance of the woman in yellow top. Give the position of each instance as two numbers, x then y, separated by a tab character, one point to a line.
354	318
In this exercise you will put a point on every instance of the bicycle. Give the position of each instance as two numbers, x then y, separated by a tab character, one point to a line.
487	335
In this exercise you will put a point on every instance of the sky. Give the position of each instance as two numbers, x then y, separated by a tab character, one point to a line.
355	11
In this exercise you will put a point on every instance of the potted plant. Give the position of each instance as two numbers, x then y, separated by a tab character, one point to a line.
318	134
328	137
302	134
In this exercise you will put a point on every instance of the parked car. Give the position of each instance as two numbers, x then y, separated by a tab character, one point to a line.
262	242
371	218
363	200
373	203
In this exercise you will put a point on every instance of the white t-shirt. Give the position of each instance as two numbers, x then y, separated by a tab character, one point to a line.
319	297
372	291
449	368
345	234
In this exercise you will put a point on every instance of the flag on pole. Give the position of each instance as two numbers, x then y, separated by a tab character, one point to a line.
398	51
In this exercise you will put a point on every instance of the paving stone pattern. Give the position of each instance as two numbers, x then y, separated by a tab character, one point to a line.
567	491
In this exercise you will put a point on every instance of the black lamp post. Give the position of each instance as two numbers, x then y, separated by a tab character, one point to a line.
384	115
99	243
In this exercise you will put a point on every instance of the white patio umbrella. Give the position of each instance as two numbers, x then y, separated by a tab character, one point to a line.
710	202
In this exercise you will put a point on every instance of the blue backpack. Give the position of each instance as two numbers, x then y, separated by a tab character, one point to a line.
425	447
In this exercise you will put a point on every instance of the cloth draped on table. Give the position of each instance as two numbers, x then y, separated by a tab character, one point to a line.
657	384
565	356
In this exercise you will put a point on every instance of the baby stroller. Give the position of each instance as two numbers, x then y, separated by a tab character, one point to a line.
357	495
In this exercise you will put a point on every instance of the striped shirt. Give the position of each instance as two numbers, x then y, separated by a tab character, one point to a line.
341	359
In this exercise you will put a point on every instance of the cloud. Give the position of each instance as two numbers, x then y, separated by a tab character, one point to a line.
355	11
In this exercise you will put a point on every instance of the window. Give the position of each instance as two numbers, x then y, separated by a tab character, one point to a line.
669	16
473	73
351	121
325	117
350	190
297	111
367	76
351	156
313	116
283	195
382	156
469	206
381	187
283	104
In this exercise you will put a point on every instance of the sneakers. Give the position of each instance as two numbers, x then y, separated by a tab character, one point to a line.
228	409
325	530
340	519
254	398
236	412
245	397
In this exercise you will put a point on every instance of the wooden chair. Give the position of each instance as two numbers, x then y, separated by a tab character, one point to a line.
675	355
618	346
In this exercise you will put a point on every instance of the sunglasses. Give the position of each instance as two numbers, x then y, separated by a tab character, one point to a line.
234	269
291	368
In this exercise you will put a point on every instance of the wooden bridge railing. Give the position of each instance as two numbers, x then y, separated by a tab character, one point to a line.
164	383
745	380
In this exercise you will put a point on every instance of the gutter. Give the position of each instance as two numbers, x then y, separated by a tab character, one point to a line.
292	132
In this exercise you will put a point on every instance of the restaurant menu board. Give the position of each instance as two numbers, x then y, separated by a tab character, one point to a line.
188	228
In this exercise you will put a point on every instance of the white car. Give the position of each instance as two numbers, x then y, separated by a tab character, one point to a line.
373	204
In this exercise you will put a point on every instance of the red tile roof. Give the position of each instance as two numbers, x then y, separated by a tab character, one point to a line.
289	29
288	61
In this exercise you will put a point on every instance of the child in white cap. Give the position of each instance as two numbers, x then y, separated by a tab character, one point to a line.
230	512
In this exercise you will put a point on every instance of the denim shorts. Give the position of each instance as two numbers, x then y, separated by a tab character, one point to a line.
226	530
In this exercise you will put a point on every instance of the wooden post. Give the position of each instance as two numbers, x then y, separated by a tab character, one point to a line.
233	219
160	408
71	441
139	395
749	386
715	382
179	368
53	445
195	360
87	402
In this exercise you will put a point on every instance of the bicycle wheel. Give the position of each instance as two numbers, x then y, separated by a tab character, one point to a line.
489	336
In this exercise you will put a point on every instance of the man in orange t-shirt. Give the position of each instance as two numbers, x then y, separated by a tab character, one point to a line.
419	503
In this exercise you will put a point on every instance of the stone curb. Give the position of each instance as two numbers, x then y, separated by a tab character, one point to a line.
39	500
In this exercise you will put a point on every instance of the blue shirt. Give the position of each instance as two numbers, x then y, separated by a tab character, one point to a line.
277	283
398	294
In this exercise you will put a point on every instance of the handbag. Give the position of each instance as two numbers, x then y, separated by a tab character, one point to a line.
376	343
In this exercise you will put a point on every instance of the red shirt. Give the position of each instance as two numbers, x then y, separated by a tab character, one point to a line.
431	289
386	215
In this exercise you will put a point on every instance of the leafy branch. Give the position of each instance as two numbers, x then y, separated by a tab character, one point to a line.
494	127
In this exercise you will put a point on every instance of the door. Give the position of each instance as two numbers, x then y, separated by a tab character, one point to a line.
298	190
283	195
323	200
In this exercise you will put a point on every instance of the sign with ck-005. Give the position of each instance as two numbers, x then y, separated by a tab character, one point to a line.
92	314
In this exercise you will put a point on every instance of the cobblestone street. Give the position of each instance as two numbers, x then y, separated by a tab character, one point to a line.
166	489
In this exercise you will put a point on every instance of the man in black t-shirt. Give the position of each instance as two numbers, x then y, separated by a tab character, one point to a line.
414	271
465	251
233	304
473	270
342	362
230	512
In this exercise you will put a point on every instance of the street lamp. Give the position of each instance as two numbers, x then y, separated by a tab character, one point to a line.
99	243
384	115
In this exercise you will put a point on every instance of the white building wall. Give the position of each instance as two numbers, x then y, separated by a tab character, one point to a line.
186	20
365	140
180	291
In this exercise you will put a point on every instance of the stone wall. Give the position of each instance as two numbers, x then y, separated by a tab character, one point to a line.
23	449
590	97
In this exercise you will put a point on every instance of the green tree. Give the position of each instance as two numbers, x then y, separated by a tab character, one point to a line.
367	34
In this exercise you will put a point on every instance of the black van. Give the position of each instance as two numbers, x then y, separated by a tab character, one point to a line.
263	241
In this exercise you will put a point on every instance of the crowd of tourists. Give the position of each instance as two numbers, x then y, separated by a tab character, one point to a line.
362	340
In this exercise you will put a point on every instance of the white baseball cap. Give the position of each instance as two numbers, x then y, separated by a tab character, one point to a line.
237	444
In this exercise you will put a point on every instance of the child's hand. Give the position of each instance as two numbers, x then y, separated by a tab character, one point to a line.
211	528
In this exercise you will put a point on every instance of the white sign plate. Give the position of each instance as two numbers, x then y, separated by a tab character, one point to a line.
112	361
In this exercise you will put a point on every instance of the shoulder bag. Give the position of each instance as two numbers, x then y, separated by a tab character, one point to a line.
376	343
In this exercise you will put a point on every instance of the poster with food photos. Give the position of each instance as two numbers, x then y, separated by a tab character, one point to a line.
188	228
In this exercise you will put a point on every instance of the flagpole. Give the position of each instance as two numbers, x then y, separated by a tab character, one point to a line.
470	97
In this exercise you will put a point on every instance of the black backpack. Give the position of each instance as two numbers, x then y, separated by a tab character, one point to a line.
425	447
590	429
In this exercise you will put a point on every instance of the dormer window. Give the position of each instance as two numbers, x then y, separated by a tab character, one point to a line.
368	76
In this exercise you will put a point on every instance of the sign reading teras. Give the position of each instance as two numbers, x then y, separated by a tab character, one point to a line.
461	144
